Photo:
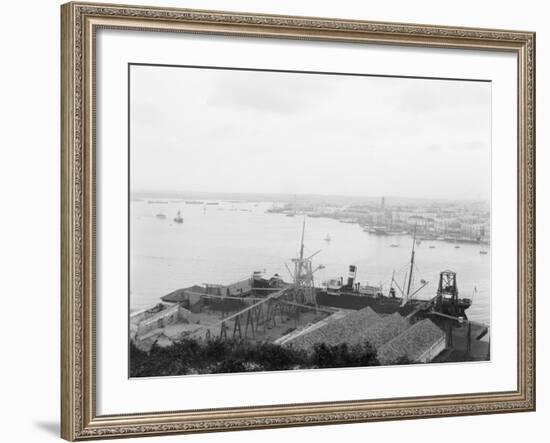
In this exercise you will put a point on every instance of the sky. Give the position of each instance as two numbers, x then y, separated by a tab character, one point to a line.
212	130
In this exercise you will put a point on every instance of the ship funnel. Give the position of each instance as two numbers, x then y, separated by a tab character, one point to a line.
351	275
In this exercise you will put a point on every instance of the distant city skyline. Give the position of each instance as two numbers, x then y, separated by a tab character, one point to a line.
202	130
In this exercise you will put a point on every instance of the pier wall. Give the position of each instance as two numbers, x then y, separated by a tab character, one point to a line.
171	315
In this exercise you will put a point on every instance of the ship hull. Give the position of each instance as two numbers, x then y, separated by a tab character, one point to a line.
382	305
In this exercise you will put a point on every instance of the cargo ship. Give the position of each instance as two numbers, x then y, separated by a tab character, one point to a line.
353	295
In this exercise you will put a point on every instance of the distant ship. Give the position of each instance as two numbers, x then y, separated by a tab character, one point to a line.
483	252
193	202
212	203
178	219
327	238
160	216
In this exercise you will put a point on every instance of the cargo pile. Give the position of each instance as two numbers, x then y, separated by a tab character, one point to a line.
350	329
392	336
421	343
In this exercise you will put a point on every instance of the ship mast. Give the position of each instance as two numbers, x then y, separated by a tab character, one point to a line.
300	262
408	295
302	242
412	265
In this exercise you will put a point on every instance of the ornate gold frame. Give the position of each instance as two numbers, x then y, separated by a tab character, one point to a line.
79	420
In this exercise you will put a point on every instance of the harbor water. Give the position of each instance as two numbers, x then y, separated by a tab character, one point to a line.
223	243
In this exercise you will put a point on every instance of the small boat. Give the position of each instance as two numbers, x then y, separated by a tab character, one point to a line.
432	247
160	216
178	219
457	247
483	252
393	245
327	238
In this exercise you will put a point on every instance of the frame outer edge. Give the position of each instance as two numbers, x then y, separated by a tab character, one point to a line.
534	197
526	222
531	201
78	421
68	428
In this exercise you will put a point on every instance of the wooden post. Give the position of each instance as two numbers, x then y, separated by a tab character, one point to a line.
260	317
249	321
469	341
237	326
270	317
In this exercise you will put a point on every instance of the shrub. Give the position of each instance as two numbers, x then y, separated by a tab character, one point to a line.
340	356
221	356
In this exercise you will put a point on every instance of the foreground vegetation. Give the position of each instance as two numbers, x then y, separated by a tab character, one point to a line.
222	356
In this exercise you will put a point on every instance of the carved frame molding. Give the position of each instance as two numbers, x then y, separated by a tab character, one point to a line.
79	23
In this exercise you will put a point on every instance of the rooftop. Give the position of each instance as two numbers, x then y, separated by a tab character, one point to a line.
412	343
350	329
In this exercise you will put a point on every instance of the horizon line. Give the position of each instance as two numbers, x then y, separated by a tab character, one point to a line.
294	195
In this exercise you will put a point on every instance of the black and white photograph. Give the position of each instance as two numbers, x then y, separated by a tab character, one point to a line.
292	220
